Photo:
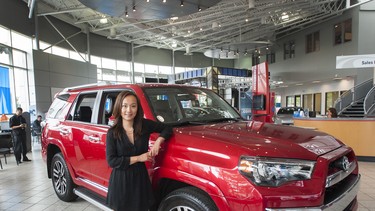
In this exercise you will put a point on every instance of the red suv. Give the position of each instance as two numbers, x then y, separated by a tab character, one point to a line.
214	161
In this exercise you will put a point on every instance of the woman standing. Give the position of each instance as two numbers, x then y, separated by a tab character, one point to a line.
127	151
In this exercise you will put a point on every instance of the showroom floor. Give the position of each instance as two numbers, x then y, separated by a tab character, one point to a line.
26	187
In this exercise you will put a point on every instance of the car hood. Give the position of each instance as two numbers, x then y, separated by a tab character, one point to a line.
265	139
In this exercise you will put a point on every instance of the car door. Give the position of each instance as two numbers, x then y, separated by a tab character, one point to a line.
100	169
77	133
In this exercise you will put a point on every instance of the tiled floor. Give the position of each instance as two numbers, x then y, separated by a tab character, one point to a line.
26	187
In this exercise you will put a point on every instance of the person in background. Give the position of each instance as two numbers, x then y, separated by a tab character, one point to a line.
37	128
127	151
331	113
18	125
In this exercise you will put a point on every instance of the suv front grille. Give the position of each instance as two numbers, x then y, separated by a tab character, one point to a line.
340	177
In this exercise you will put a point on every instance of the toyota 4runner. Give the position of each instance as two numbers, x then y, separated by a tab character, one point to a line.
214	161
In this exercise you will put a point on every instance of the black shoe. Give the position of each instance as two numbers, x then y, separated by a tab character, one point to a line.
26	160
18	162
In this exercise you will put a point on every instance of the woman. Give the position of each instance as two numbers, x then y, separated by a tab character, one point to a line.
127	151
331	113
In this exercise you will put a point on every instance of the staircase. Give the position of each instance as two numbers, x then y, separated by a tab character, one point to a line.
355	110
355	103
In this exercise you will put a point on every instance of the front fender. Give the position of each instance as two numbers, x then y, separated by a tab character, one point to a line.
208	186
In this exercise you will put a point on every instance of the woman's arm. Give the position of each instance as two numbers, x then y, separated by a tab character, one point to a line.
165	133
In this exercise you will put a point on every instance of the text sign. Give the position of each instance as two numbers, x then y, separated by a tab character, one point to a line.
355	61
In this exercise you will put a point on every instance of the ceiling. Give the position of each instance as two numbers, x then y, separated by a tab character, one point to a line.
232	26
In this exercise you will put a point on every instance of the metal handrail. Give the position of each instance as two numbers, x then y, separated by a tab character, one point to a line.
357	92
369	101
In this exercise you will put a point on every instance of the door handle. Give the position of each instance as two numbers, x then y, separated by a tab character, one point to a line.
64	131
94	138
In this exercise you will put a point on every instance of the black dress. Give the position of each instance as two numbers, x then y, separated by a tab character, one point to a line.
129	185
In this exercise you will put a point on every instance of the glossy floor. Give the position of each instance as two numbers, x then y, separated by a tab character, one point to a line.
26	187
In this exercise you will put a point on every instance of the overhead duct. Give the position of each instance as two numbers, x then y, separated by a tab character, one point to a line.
112	33
251	4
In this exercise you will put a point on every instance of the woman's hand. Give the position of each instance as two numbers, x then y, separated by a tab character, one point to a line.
156	147
144	157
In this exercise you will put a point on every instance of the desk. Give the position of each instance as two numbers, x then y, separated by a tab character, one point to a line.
357	133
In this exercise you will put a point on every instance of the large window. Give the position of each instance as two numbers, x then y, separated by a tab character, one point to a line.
343	32
331	97
271	57
313	42
289	51
14	50
290	101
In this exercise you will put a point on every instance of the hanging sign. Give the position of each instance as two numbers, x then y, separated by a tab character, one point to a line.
355	61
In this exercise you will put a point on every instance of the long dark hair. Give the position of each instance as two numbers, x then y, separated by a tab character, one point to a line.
333	112
118	129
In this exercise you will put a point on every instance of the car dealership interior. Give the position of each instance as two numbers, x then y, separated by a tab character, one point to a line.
286	63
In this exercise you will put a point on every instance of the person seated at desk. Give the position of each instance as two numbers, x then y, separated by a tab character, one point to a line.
331	113
36	129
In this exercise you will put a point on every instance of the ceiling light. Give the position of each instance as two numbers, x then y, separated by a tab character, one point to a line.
299	84
182	3
315	82
103	20
200	29
246	20
164	1
284	16
147	0
199	8
174	18
134	9
126	14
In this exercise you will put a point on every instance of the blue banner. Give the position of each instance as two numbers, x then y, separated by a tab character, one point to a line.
5	99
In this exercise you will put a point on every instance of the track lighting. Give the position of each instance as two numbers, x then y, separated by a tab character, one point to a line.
134	9
199	8
182	3
126	14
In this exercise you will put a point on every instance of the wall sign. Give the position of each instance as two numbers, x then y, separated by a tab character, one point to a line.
355	61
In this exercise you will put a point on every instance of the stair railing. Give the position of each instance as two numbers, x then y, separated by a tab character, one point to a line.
369	102
357	92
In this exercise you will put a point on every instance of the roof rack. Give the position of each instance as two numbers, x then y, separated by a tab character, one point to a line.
102	83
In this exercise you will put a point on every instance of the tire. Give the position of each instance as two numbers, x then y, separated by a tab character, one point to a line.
61	180
187	199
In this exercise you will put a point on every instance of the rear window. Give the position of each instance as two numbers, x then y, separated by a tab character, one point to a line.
58	106
287	110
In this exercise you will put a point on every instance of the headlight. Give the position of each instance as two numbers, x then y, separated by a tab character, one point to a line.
273	171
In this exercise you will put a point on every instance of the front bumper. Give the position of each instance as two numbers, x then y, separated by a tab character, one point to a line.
339	204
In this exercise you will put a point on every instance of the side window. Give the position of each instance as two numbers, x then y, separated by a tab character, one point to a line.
106	107
83	109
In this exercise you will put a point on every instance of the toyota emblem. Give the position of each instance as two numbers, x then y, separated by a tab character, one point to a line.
345	163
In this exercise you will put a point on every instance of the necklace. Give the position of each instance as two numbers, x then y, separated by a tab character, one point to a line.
130	130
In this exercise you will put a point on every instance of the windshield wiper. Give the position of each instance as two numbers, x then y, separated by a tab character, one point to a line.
182	123
224	120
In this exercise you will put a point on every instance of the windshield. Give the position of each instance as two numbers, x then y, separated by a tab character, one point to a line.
188	104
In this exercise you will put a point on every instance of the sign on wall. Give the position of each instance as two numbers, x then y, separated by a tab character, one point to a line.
355	61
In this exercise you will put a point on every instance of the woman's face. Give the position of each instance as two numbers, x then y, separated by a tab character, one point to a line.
129	108
329	114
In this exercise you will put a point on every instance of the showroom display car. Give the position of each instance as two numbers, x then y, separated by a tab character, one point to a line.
215	160
285	115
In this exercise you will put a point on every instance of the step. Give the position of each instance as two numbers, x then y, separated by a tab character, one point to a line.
353	112
92	198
